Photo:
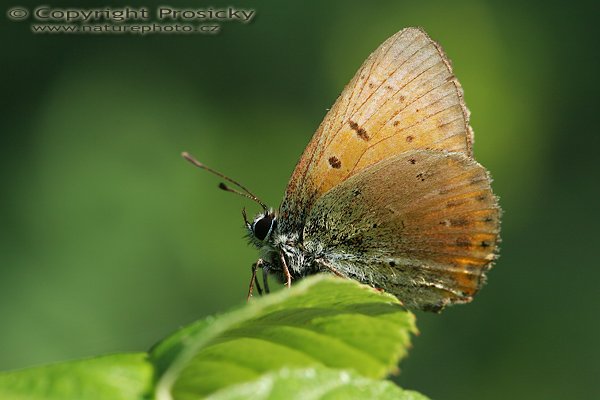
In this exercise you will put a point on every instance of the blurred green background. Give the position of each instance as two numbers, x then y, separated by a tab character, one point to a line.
110	241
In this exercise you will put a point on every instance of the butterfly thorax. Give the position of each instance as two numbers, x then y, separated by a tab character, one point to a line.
276	247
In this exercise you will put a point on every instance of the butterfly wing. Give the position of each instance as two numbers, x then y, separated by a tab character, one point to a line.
422	225
403	97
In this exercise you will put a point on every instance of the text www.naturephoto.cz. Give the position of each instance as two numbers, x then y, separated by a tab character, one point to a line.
137	29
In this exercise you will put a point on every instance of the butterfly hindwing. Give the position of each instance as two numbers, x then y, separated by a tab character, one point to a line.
423	225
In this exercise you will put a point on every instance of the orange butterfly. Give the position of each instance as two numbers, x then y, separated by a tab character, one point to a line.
387	192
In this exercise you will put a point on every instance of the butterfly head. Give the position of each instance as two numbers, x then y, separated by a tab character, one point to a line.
260	230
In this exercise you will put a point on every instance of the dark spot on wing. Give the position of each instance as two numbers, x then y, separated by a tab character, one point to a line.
455	203
477	180
459	221
361	132
412	161
410	138
392	263
388	87
355	241
463	242
401	99
396	123
335	162
371	85
484	244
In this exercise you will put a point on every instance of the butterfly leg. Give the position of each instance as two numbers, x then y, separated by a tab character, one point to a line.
254	279
265	276
331	268
286	271
260	291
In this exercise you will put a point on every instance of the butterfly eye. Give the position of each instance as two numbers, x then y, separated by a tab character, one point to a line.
262	226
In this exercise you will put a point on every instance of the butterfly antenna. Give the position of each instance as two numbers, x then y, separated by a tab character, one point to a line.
248	194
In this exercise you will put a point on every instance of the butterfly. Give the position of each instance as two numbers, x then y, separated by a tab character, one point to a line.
387	192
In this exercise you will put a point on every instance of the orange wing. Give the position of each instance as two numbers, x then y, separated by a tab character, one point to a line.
423	225
404	97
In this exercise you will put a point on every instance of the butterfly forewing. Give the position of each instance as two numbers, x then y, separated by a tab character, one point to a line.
423	225
403	97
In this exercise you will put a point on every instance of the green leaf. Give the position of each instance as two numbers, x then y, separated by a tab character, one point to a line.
113	377
315	384
321	322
